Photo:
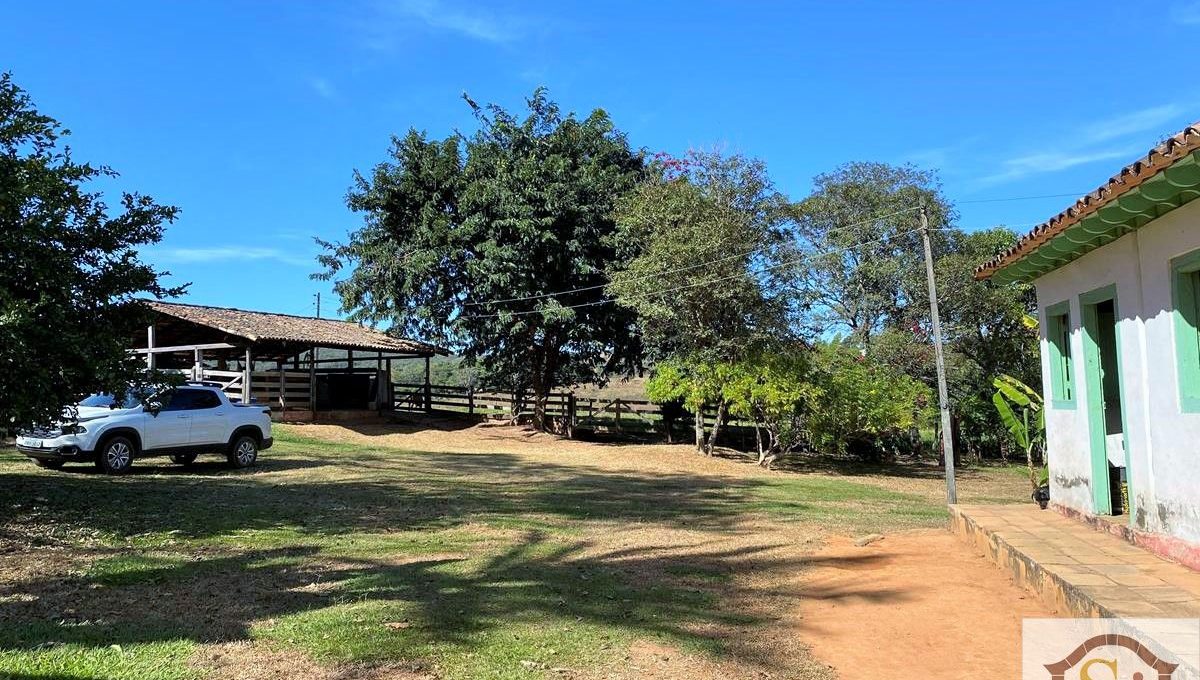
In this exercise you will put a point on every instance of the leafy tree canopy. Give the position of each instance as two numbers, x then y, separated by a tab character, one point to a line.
69	270
708	252
862	399
858	229
465	240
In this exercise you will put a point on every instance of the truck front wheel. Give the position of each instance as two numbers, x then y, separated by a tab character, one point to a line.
115	457
243	452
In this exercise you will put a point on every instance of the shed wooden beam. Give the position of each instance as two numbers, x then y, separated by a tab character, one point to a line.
179	348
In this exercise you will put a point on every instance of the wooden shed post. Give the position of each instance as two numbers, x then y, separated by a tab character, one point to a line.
428	389
247	371
150	346
198	364
312	382
282	387
389	390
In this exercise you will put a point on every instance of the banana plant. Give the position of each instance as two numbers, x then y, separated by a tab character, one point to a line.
1022	411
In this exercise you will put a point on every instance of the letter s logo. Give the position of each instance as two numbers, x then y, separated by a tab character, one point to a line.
1086	674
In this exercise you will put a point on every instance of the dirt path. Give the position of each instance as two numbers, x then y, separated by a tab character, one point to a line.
930	608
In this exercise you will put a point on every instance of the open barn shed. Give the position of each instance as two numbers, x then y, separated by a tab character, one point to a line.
301	366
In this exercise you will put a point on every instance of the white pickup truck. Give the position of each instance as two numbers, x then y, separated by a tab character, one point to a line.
182	422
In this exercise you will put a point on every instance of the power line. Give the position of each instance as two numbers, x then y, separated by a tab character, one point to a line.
795	260
670	271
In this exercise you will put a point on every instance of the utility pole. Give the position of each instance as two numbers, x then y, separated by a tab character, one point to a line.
318	305
943	393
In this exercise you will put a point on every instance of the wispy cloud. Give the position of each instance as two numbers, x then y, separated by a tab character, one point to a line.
1117	137
1131	123
477	23
230	254
323	88
1186	14
1048	161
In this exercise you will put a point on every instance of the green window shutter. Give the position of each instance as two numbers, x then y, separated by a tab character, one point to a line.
1185	301
1058	337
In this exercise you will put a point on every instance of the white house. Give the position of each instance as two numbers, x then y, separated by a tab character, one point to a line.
1118	289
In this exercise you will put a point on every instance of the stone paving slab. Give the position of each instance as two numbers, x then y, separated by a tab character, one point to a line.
1075	569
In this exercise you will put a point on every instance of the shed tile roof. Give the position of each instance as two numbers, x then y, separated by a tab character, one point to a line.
267	326
1130	177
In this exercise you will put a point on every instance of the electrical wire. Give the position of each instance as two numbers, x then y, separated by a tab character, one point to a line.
671	271
790	261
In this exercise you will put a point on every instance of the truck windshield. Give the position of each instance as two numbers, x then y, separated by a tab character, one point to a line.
132	398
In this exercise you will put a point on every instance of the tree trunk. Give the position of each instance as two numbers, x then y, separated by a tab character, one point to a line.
542	382
539	408
758	440
699	420
716	429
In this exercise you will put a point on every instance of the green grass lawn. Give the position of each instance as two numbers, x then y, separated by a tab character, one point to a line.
454	565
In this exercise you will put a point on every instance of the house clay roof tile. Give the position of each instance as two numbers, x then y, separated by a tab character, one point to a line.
1132	175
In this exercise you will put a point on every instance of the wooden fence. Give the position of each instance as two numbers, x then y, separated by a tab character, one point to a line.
281	390
620	415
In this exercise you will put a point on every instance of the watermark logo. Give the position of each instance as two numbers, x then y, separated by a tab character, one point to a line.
1110	649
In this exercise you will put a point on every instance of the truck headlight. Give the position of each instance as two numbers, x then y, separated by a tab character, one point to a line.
74	429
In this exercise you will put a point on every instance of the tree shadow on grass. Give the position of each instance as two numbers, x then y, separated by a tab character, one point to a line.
562	593
850	467
401	492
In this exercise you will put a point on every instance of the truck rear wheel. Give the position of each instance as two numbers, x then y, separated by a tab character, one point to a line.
243	452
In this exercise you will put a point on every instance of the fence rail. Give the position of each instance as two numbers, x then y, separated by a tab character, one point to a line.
632	415
279	389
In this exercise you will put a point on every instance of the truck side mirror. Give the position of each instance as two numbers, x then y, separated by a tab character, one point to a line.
153	407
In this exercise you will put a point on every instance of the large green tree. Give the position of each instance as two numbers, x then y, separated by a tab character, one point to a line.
469	241
868	277
707	255
69	270
858	228
984	328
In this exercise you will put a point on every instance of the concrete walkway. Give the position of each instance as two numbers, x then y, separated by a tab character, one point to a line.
1075	569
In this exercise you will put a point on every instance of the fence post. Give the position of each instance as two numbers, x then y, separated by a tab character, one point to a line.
471	400
617	410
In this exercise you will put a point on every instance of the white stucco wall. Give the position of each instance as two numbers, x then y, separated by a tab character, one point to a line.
1164	442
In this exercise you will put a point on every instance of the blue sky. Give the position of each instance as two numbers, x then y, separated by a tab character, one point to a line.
252	116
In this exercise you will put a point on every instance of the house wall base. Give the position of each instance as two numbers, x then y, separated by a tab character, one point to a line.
1169	547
